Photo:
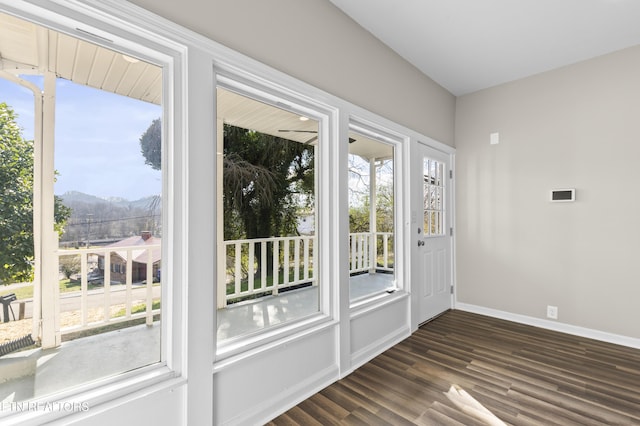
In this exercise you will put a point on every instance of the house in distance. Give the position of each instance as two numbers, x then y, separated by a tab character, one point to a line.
139	258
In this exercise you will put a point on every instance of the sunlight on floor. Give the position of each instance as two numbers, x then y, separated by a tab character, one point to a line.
468	405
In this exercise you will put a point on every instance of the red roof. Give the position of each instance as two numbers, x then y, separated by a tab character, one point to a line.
140	256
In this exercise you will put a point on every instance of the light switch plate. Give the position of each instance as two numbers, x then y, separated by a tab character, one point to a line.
494	138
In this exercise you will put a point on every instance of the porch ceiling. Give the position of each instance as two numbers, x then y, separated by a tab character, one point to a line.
27	48
248	113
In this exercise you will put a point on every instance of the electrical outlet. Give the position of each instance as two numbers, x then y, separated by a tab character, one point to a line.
552	312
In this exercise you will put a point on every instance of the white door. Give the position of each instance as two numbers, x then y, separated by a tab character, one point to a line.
431	271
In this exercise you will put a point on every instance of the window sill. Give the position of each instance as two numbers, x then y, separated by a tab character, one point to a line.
89	397
374	302
248	346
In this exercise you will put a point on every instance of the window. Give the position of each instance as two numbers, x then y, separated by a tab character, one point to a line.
433	187
372	215
93	306
269	274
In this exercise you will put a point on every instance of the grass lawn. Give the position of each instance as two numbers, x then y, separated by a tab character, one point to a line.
257	281
138	308
66	286
21	292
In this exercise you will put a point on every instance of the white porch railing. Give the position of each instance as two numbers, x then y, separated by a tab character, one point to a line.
89	300
370	251
268	265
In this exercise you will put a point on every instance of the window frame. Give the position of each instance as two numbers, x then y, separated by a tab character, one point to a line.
90	24
400	144
268	92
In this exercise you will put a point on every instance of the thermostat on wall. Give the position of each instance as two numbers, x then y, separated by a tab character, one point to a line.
563	195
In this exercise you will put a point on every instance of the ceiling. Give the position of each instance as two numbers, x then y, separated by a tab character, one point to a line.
469	45
241	111
26	48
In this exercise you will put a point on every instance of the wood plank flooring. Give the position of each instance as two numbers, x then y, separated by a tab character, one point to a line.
522	374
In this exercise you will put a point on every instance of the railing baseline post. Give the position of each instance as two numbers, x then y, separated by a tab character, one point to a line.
107	285
149	304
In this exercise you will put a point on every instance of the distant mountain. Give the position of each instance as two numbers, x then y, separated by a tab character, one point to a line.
94	218
72	197
79	197
116	200
146	202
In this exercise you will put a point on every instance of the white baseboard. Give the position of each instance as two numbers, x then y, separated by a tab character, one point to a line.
371	351
552	325
278	404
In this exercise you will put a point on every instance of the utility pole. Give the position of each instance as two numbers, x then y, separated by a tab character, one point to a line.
88	228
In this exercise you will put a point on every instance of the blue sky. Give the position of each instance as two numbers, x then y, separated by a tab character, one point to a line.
97	139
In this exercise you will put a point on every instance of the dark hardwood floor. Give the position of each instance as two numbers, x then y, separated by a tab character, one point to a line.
522	374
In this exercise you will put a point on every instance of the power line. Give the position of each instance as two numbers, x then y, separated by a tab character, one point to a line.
98	222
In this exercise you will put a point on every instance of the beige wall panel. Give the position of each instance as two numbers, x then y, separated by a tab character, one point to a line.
315	42
575	127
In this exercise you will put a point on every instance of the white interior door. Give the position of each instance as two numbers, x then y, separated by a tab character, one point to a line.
431	225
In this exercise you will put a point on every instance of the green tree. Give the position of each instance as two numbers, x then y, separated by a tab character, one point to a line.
266	181
151	148
16	189
359	217
61	215
359	204
16	202
151	144
70	265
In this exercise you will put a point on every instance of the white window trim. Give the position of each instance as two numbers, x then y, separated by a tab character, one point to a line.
399	142
253	87
87	22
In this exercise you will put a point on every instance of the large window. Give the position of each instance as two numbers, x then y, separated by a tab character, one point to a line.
88	305
268	274
372	215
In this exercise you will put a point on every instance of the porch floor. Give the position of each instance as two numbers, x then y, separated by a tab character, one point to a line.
367	284
36	372
251	316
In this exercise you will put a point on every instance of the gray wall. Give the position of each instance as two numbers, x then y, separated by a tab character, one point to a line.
315	42
575	127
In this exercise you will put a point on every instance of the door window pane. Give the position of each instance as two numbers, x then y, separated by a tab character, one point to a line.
433	190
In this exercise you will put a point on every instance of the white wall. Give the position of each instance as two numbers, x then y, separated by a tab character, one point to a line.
254	389
575	127
315	42
160	408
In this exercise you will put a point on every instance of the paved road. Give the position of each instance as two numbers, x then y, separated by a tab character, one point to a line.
71	301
